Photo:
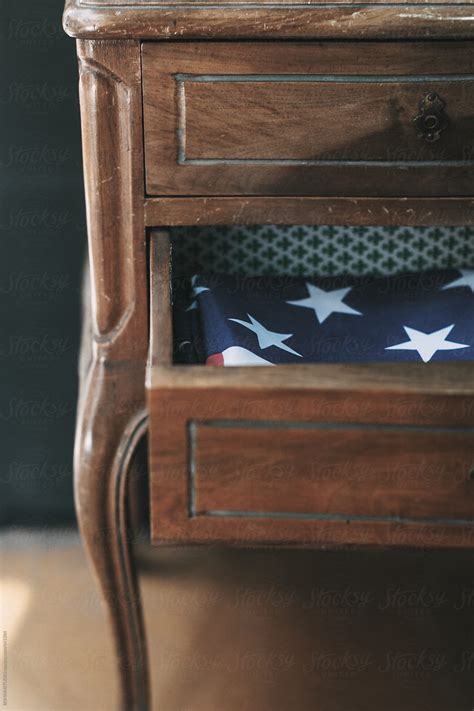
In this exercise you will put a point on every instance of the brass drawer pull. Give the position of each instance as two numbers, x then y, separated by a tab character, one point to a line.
432	119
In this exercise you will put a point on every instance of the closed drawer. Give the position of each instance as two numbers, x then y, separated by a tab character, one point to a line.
309	119
320	454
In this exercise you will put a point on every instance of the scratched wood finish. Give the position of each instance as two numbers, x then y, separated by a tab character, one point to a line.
132	5
325	119
309	211
112	419
257	20
353	471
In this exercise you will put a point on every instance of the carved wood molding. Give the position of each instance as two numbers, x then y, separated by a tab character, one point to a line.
110	90
112	419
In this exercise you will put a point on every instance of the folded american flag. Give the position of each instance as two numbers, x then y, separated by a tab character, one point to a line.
235	320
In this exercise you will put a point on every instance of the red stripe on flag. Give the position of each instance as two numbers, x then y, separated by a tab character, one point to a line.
215	359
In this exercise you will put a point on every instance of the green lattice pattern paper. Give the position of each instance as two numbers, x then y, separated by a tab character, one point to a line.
326	250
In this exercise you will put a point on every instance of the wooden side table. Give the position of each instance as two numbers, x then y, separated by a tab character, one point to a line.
293	114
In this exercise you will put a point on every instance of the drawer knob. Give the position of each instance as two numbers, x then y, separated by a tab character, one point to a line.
432	119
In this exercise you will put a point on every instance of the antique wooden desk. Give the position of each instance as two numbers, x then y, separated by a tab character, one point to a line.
264	112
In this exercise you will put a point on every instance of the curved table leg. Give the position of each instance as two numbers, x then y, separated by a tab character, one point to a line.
111	412
111	424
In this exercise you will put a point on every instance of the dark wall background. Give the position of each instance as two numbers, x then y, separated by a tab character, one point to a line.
42	239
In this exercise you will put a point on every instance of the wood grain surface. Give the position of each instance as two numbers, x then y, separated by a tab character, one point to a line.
89	19
173	211
161	329
324	119
309	469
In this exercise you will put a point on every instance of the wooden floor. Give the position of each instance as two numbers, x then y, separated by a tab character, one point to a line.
246	631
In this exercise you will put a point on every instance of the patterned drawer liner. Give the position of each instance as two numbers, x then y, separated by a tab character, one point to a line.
323	251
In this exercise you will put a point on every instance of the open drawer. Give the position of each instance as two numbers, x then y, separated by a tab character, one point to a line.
306	454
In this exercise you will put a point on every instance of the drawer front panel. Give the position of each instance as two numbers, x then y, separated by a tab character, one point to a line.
310	470
310	119
307	119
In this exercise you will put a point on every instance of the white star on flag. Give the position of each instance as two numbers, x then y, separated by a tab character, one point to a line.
466	279
196	291
265	337
325	303
427	344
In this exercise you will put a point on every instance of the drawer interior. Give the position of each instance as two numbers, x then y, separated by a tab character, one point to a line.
176	258
393	278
